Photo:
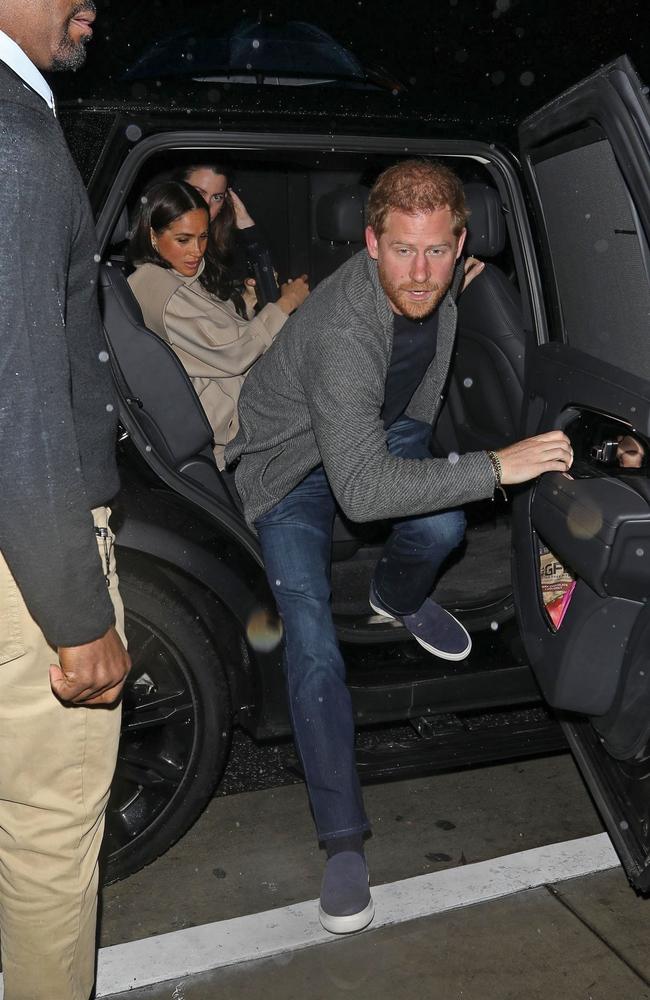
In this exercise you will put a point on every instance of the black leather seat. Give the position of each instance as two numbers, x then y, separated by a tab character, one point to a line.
157	390
340	216
486	385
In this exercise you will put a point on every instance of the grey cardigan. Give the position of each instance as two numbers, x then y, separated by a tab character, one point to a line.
316	396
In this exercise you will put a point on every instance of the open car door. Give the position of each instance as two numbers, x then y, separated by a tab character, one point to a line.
582	541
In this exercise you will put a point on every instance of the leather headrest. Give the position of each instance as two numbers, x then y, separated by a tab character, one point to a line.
120	229
486	229
340	214
340	218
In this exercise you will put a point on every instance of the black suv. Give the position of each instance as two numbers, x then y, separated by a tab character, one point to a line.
553	334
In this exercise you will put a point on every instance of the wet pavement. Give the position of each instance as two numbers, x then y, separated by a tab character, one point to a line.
254	852
585	939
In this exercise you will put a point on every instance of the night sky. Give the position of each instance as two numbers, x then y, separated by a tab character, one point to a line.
510	55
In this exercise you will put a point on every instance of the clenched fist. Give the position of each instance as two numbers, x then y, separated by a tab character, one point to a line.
92	674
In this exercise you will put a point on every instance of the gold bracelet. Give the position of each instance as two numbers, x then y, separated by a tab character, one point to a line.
496	467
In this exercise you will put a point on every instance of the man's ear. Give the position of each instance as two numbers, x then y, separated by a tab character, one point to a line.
461	243
372	243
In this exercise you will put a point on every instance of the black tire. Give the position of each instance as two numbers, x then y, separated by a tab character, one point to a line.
176	729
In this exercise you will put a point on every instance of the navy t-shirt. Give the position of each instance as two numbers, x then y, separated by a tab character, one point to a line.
414	347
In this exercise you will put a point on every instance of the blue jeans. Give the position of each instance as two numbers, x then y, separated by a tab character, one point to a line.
296	540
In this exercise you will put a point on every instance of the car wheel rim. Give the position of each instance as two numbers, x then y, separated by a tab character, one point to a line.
158	738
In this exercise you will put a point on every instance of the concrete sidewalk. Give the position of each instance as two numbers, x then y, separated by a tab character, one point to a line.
585	939
255	852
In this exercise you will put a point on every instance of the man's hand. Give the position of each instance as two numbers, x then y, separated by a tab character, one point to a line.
527	459
92	674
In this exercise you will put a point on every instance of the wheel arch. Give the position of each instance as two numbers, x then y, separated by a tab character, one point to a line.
222	585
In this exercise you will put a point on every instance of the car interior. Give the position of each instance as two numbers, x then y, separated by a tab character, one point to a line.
311	210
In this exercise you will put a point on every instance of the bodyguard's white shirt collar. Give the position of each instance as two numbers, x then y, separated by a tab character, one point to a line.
12	54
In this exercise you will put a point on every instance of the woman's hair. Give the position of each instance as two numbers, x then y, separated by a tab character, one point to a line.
223	226
415	186
160	206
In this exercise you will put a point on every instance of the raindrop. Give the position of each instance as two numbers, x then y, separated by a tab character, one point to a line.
133	133
601	246
278	583
453	457
584	522
468	383
527	78
147	447
97	258
263	630
109	407
494	626
144	200
103	356
624	825
640	552
256	43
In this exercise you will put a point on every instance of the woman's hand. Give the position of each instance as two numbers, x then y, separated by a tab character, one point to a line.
242	219
473	268
249	296
293	293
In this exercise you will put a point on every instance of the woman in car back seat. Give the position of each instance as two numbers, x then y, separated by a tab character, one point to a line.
181	292
234	232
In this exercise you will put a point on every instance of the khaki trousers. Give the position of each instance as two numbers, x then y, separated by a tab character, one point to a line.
56	766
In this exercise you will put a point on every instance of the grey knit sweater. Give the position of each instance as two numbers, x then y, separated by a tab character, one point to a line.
316	396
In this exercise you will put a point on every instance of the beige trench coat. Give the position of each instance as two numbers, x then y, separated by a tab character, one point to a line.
215	345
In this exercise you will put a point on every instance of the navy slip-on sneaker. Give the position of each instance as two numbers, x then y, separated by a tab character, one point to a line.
434	628
345	901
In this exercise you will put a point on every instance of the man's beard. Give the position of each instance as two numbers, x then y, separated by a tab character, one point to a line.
72	55
398	295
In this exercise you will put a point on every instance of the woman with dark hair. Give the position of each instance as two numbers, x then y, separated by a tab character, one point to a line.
232	227
184	300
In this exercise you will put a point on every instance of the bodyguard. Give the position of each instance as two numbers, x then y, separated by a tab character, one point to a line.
62	657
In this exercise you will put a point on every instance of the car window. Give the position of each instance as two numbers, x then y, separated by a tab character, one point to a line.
599	255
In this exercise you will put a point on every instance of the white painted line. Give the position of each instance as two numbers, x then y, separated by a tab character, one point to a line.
127	967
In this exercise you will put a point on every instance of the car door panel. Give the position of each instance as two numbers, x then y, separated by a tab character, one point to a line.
586	158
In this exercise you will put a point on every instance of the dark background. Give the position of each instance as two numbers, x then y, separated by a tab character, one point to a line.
503	56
